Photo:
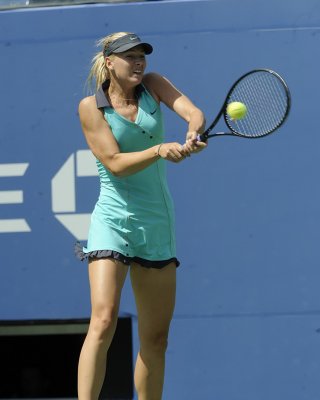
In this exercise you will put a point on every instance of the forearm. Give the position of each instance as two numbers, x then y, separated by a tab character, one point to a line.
196	122
125	164
196	126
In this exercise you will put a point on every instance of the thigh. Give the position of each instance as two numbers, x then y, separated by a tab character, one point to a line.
155	291
107	277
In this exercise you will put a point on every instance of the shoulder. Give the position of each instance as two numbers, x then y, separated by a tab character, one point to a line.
162	89
88	105
88	112
155	84
87	102
152	79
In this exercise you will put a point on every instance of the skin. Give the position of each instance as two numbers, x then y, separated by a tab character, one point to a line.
124	79
154	289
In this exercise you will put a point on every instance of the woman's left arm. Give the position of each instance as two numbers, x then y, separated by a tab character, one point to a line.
163	90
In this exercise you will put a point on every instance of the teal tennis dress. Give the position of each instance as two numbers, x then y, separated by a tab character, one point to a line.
133	218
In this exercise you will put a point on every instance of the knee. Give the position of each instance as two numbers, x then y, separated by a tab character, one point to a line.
156	343
103	323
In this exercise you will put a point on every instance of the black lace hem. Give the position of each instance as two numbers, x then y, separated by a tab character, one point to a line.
81	255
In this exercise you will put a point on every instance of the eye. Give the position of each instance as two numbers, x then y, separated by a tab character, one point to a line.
136	57
140	57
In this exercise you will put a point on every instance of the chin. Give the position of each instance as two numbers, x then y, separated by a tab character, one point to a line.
137	78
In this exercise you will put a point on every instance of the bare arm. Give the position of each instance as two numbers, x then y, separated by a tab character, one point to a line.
163	90
105	148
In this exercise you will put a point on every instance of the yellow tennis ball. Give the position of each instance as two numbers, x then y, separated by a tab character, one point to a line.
236	110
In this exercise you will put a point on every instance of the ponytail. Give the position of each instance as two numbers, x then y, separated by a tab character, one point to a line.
99	71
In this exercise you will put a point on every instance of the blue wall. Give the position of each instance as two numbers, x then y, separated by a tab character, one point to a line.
247	323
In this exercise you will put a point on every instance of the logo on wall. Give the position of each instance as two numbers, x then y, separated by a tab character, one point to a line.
63	192
13	197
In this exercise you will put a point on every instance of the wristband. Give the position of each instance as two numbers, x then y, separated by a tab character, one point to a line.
158	151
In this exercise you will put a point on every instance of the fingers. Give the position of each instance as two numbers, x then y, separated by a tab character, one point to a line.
191	135
173	152
190	146
176	152
194	146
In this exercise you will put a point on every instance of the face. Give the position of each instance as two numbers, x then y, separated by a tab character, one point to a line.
128	66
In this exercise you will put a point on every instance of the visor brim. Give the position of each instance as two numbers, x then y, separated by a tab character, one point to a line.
148	49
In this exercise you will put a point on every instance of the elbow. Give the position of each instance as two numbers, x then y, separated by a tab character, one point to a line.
113	168
116	173
120	173
196	115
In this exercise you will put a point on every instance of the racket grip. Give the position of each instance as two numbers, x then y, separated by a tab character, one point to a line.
202	138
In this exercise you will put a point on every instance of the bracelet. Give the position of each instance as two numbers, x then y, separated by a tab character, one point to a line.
158	151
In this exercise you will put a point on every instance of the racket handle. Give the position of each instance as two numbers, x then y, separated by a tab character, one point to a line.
202	138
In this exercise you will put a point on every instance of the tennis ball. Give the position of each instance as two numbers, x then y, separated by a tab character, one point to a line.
236	110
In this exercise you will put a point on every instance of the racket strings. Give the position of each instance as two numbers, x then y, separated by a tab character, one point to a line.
266	99
261	100
263	103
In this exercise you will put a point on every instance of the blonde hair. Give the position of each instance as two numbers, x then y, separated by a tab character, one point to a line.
99	71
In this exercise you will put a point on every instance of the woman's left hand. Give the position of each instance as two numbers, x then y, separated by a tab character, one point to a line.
192	145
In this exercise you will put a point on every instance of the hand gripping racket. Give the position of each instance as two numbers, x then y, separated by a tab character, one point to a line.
267	99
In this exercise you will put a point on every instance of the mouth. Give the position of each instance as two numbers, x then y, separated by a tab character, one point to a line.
138	72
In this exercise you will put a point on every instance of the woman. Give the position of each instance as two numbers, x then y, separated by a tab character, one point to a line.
132	225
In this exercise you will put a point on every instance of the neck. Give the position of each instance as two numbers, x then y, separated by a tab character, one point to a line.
117	92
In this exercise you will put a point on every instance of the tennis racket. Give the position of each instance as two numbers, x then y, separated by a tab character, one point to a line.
267	99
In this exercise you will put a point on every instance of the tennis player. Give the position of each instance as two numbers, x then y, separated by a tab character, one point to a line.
132	225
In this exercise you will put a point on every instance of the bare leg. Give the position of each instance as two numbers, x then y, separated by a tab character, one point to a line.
154	291
106	277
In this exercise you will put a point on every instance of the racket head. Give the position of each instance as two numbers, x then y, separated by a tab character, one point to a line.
267	99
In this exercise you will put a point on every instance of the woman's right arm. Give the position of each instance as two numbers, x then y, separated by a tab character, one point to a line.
105	147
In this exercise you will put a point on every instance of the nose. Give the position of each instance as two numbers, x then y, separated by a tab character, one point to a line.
139	60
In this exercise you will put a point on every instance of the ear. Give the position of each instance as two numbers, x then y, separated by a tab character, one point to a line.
109	63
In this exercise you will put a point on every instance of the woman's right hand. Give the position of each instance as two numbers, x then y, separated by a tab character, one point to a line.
173	152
